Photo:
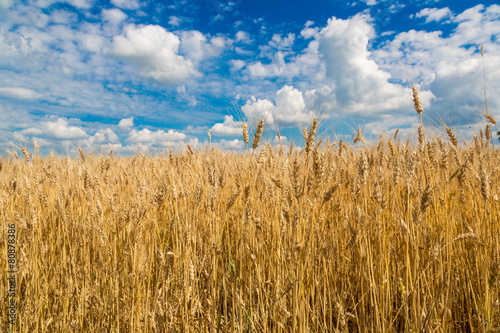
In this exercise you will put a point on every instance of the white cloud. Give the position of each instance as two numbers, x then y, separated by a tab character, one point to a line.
306	64
113	16
183	95
193	45
157	137
359	84
196	47
242	51
62	16
229	127
32	131
126	4
434	14
322	99
278	67
92	43
61	130
126	124
242	36
6	3
155	51
258	109
308	32
219	42
282	43
84	4
174	21
236	64
104	136
19	92
81	4
289	108
451	66
230	144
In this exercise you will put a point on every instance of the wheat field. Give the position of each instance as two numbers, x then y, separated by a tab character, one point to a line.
387	237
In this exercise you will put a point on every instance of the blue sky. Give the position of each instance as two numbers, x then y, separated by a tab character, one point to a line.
138	75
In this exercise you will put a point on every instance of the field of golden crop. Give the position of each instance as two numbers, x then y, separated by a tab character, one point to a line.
390	237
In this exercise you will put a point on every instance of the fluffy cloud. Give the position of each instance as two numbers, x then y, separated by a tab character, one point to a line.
289	108
434	14
236	64
159	137
195	46
282	43
104	136
126	124
61	130
155	51
113	16
242	36
174	21
83	4
307	64
360	86
451	66
229	127
126	4
230	144
278	67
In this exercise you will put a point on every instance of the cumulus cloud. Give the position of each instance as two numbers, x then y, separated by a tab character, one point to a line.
451	66
289	108
155	51
126	124
220	42
104	136
174	21
19	92
126	4
434	14
307	64
231	144
196	47
236	64
242	36
159	137
92	43
359	84
113	16
61	130
32	131
229	127
281	43
84	4
278	67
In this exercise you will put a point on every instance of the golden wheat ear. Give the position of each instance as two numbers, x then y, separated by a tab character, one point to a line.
258	134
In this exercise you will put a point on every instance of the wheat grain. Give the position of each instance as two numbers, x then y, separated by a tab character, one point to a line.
25	153
258	134
451	136
245	133
416	100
